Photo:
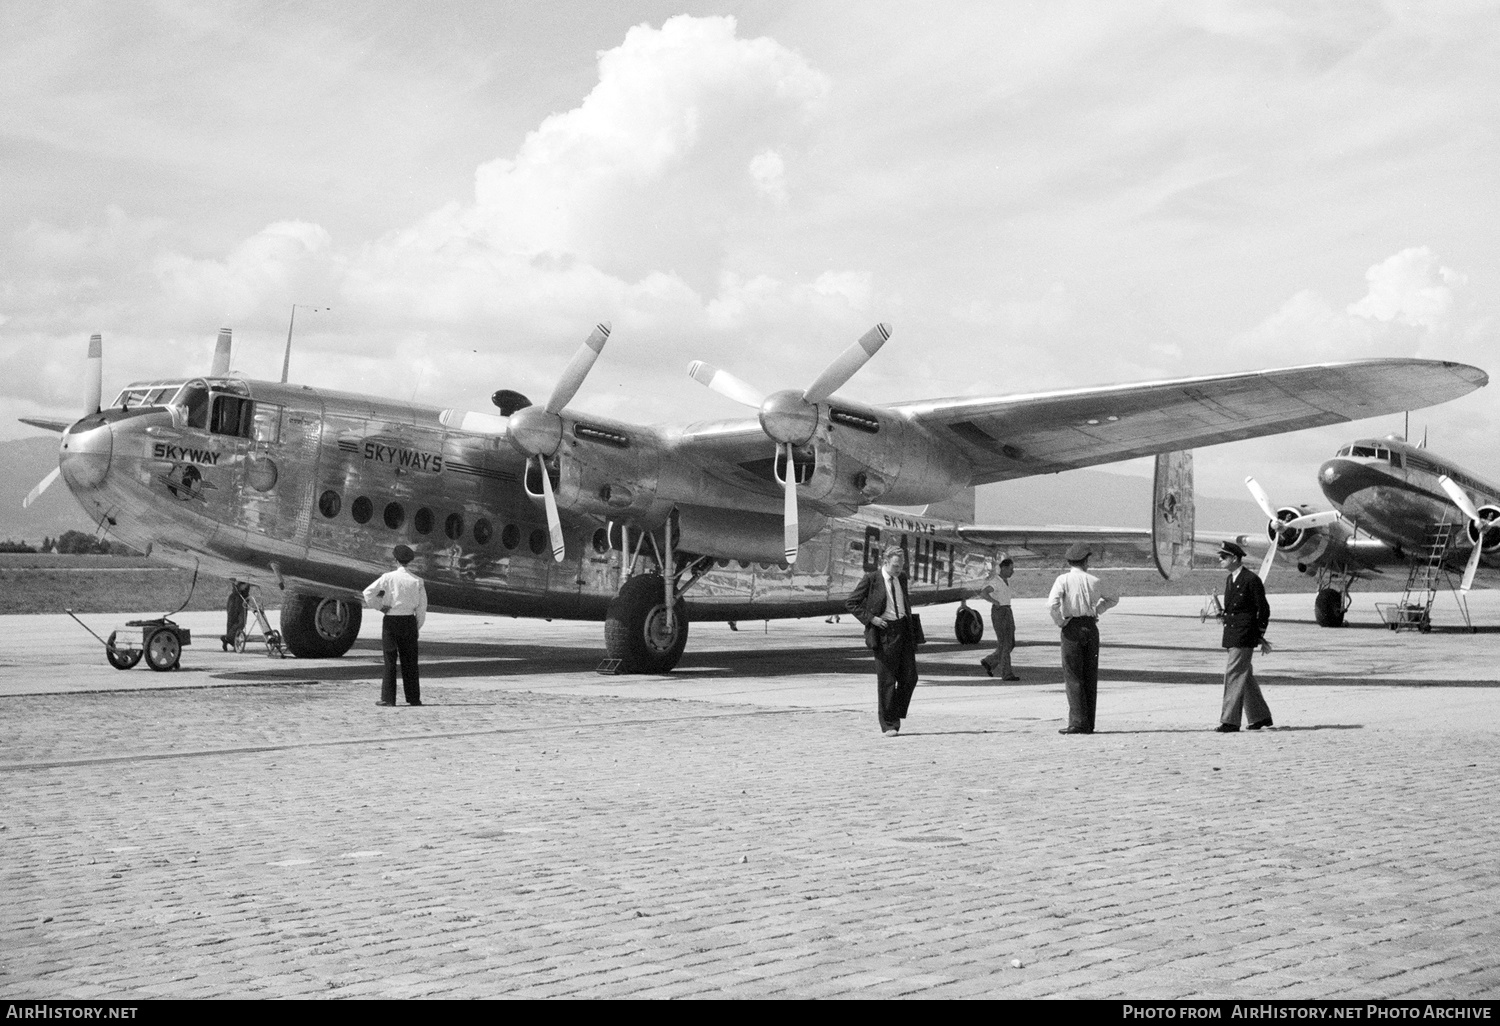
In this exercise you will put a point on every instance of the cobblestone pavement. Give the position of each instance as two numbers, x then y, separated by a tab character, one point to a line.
249	828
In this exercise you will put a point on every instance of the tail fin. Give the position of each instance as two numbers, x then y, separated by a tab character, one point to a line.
1172	512
958	508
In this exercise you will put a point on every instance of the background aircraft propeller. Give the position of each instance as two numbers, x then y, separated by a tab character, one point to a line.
536	431
93	379
790	417
1282	521
1478	527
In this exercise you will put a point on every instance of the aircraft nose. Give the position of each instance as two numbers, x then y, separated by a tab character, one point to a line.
1341	478
86	450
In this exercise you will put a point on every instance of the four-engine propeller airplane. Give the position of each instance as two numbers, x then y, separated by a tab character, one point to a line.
1395	505
545	512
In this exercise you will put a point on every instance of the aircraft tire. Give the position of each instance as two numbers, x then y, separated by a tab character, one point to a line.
319	627
1328	608
968	626
635	628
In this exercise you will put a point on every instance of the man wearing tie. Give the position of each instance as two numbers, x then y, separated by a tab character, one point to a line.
880	602
1246	616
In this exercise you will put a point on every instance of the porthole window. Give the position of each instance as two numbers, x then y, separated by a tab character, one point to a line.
395	515
422	520
510	536
539	542
329	504
362	510
453	527
601	541
482	531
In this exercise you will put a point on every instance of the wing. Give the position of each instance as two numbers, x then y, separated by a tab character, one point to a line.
1113	546
1018	436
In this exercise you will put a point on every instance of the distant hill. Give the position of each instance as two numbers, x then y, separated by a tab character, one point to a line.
1086	497
1098	498
24	462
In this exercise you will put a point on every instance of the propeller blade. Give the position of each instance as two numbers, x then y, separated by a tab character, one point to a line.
1264	572
1261	498
220	365
1460	497
789	523
93	375
726	384
41	487
1311	520
554	522
847	364
578	369
1473	567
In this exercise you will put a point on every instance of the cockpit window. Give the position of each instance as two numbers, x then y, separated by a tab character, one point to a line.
1362	450
231	416
194	398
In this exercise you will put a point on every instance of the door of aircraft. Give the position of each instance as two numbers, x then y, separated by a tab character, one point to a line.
278	473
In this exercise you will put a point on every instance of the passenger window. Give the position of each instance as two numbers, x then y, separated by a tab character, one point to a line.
329	504
539	541
395	515
453	527
482	531
362	510
510	536
422	521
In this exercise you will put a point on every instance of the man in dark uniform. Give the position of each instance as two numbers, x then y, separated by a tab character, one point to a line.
1246	616
880	602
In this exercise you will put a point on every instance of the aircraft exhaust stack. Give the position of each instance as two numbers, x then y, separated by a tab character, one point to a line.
221	354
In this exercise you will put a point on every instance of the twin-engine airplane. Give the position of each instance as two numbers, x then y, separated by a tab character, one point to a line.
540	511
1395	505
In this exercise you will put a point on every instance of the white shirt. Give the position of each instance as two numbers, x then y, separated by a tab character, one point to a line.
405	595
894	591
997	590
1079	593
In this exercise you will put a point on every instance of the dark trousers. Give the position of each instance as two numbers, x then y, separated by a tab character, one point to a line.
398	639
895	673
1004	622
1080	663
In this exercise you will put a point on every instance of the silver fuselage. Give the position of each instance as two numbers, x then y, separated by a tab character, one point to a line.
309	489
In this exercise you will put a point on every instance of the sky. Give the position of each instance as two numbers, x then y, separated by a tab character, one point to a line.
1034	195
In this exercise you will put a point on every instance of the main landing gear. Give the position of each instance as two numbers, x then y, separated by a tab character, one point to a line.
646	626
968	625
1333	599
317	627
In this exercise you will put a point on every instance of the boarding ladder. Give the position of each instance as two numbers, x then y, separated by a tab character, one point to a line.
1423	579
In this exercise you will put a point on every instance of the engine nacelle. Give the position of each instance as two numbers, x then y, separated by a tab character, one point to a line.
1489	514
866	454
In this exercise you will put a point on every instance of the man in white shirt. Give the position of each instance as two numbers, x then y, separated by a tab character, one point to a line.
402	597
997	591
1076	602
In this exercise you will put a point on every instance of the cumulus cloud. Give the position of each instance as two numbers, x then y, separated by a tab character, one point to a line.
1407	310
621	208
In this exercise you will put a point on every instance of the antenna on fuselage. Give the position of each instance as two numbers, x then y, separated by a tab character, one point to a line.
286	361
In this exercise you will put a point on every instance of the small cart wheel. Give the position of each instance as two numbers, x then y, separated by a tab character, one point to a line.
120	659
275	646
163	649
239	641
